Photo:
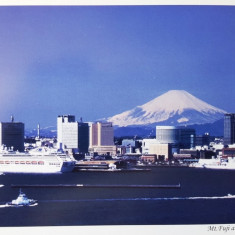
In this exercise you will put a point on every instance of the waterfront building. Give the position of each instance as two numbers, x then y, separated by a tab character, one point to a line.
182	156
178	137
149	158
229	128
193	152
163	151
203	140
154	148
146	145
101	140
228	152
103	150
12	135
72	135
121	150
130	145
129	142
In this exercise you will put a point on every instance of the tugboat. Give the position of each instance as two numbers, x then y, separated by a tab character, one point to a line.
22	200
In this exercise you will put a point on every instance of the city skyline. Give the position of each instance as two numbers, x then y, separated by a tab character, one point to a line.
98	61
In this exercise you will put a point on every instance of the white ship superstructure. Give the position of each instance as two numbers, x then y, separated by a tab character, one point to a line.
224	165
216	163
39	160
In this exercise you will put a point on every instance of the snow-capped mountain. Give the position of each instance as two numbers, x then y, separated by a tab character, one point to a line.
175	107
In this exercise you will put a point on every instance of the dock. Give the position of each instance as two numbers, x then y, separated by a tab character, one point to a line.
115	170
177	186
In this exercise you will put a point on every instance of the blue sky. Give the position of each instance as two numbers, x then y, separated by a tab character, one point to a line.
98	61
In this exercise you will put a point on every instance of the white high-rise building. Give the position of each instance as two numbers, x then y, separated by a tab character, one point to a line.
71	134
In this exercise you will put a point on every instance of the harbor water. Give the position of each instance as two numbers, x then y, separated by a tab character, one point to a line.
201	199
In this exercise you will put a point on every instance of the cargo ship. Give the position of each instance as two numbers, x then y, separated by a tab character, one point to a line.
38	160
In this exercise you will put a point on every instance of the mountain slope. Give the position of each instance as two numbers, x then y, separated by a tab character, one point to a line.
215	129
176	107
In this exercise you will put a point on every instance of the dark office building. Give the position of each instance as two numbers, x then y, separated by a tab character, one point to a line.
229	128
83	137
202	140
12	135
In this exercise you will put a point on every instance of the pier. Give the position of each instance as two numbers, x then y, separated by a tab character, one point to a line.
115	170
177	186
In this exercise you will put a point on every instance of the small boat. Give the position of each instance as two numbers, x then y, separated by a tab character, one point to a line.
22	200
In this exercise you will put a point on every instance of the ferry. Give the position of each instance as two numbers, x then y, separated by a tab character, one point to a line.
38	160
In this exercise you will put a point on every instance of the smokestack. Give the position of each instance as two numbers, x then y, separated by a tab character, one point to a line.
12	118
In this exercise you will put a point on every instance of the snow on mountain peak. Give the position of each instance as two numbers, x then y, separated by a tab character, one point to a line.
174	106
177	100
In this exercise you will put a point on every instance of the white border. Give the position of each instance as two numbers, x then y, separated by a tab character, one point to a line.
121	230
113	2
116	230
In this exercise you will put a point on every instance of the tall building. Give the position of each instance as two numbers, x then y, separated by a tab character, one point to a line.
71	134
101	134
12	135
229	128
178	137
102	138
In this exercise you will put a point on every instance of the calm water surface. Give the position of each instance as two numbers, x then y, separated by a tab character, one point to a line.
198	201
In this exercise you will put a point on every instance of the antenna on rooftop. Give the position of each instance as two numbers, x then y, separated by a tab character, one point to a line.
12	118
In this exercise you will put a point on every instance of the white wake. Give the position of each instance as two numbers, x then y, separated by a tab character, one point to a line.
229	196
